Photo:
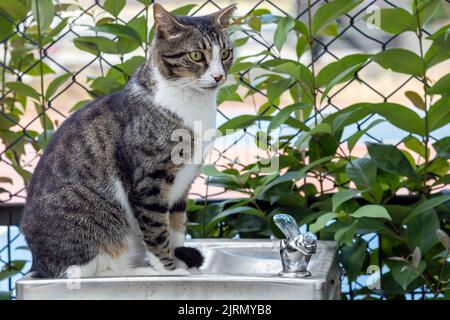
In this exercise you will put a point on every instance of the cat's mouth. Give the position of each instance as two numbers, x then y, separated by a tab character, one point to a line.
210	87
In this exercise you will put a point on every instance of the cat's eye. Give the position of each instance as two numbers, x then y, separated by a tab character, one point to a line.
196	56
225	54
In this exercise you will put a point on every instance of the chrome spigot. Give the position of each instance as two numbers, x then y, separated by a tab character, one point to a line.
296	250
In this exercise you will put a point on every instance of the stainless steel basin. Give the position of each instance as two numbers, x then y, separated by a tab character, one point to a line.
233	269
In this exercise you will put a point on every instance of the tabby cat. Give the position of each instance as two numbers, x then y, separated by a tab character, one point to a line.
107	196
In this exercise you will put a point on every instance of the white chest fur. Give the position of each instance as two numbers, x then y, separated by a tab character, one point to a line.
198	111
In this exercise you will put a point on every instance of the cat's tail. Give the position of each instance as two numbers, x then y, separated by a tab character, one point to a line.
191	256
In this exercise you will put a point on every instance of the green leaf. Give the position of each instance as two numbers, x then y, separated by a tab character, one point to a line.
336	69
296	175
26	175
321	222
277	88
36	69
296	70
400	60
321	128
284	25
414	144
302	46
438	167
104	20
58	28
26	248
341	196
45	120
405	274
371	211
16	144
79	105
427	9
12	269
44	138
211	171
23	89
124	70
442	86
440	49
236	123
353	258
43	12
5	295
339	79
345	234
240	66
246	120
255	23
331	11
96	45
330	30
15	9
105	86
442	147
114	6
284	114
416	99
301	28
6	28
390	159
362	172
6	180
393	20
139	25
125	32
228	93
426	206
354	138
421	231
240	42
8	120
322	145
56	84
439	114
400	116
232	211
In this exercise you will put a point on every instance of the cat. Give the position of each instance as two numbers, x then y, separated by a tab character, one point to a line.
107	197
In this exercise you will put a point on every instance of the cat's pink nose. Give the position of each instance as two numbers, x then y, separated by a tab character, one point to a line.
218	77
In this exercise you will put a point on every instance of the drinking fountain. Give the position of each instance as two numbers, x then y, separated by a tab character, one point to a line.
296	250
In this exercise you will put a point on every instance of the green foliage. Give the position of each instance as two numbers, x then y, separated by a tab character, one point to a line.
395	20
14	268
415	236
400	60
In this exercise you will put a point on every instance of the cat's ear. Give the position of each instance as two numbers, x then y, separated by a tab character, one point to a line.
223	16
165	23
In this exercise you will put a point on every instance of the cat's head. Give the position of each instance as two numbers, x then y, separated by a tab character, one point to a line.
193	52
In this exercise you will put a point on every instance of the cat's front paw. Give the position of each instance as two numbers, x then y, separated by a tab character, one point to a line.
180	264
191	257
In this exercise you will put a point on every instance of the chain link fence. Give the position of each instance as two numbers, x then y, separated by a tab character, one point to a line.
58	56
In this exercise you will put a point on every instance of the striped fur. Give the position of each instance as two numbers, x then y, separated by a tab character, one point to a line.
106	196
